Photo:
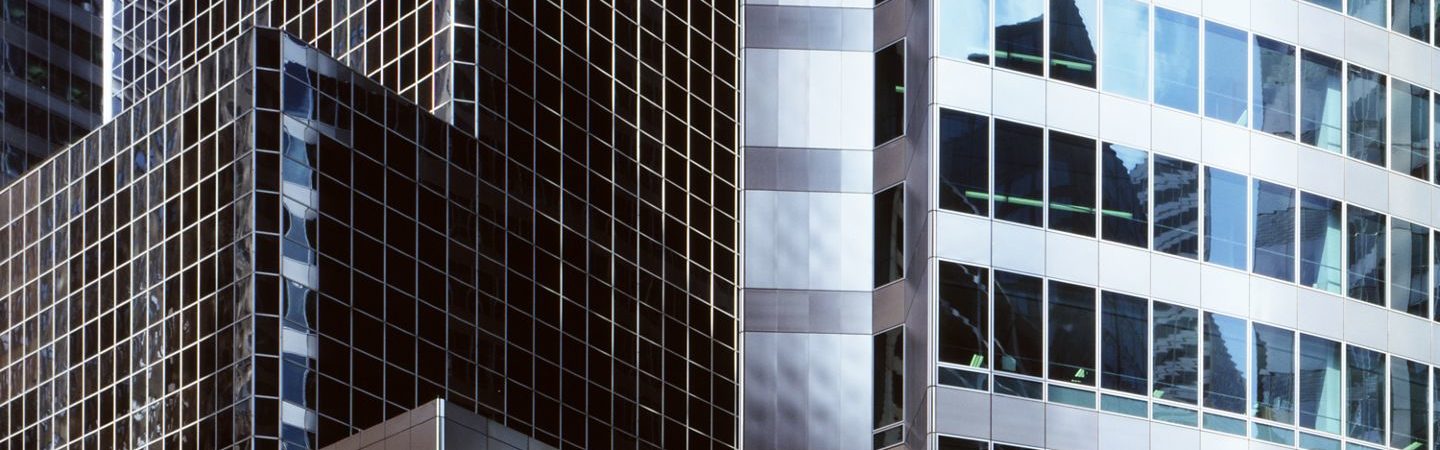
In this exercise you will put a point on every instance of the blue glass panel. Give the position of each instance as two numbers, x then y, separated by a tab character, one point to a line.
1372	11
1126	66
1274	88
1409	276
1225	218
1124	194
1319	384
962	29
1365	394
1226	70
1177	207
1274	231
1366	274
1225	362
1175	342
1274	363
1366	135
1409	404
1412	18
1321	242
1410	132
1177	60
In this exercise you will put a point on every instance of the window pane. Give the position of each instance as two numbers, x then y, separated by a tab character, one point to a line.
1321	102
889	376
1319	384
962	30
1367	255
1225	218
1332	4
1072	333
1177	60
1127	48
1020	35
964	162
1123	347
1409	278
1225	363
1124	195
1226	66
1073	24
1410	134
1177	207
889	235
1019	315
1372	11
1365	394
1435	275
1320	243
1019	180
1274	360
1367	115
1409	403
1274	87
1274	231
964	316
1072	183
1175	341
1411	17
890	92
954	443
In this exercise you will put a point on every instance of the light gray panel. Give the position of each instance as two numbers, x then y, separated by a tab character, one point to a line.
1367	185
802	391
1365	324
962	413
1367	45
803	169
1409	198
761	418
846	312
799	240
1069	428
1272	301
1018	248
1409	336
1171	437
810	28
1124	433
762	84
1018	421
1321	29
1320	313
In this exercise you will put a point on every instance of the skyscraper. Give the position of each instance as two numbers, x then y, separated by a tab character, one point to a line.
554	248
1090	224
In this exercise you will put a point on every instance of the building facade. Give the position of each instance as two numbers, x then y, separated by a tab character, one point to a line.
1096	224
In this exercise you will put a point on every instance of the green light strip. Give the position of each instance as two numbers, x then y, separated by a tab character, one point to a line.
1058	206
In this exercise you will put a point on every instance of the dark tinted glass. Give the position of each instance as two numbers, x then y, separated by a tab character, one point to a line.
1225	363
1366	262
1274	89
890	92
1366	135
1019	320
1124	194
1274	362
1175	342
1410	273
964	162
890	235
1124	349
964	314
1072	184
889	378
954	443
1321	243
1177	207
1072	333
1365	394
1019	177
1225	218
1020	35
1073	38
1274	231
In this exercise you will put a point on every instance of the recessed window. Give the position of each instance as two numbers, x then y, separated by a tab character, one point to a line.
1366	135
963	30
964	162
889	378
1321	243
1073	28
1274	231
1410	271
1072	333
1321	101
1072	183
1126	66
1019	324
1175	342
1366	262
1274	362
1225	218
1274	88
1177	60
889	235
1123	348
1020	35
964	315
1410	133
1019	174
1226	67
890	92
1365	394
1320	384
1177	207
1124	194
1225	360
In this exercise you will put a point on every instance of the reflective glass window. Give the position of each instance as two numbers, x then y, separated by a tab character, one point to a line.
1177	60
1177	207
1225	218
954	443
1019	320
1410	270
1332	4
1274	363
1319	384
889	393
1175	341
1274	87
1435	273
1411	17
963	30
1074	25
1072	333
1124	194
1366	135
964	314
1321	243
1226	67
1124	349
1225	361
1019	175
890	92
1020	35
1072	183
889	235
1409	403
1365	394
1274	231
1366	258
1126	65
964	162
1321	101
1410	132
1372	11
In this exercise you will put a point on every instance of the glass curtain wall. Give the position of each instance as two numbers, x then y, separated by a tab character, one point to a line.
1410	131
1274	87
1321	243
1126	66
1366	127
1226	70
1020	35
1177	60
1074	27
1321	101
1124	194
